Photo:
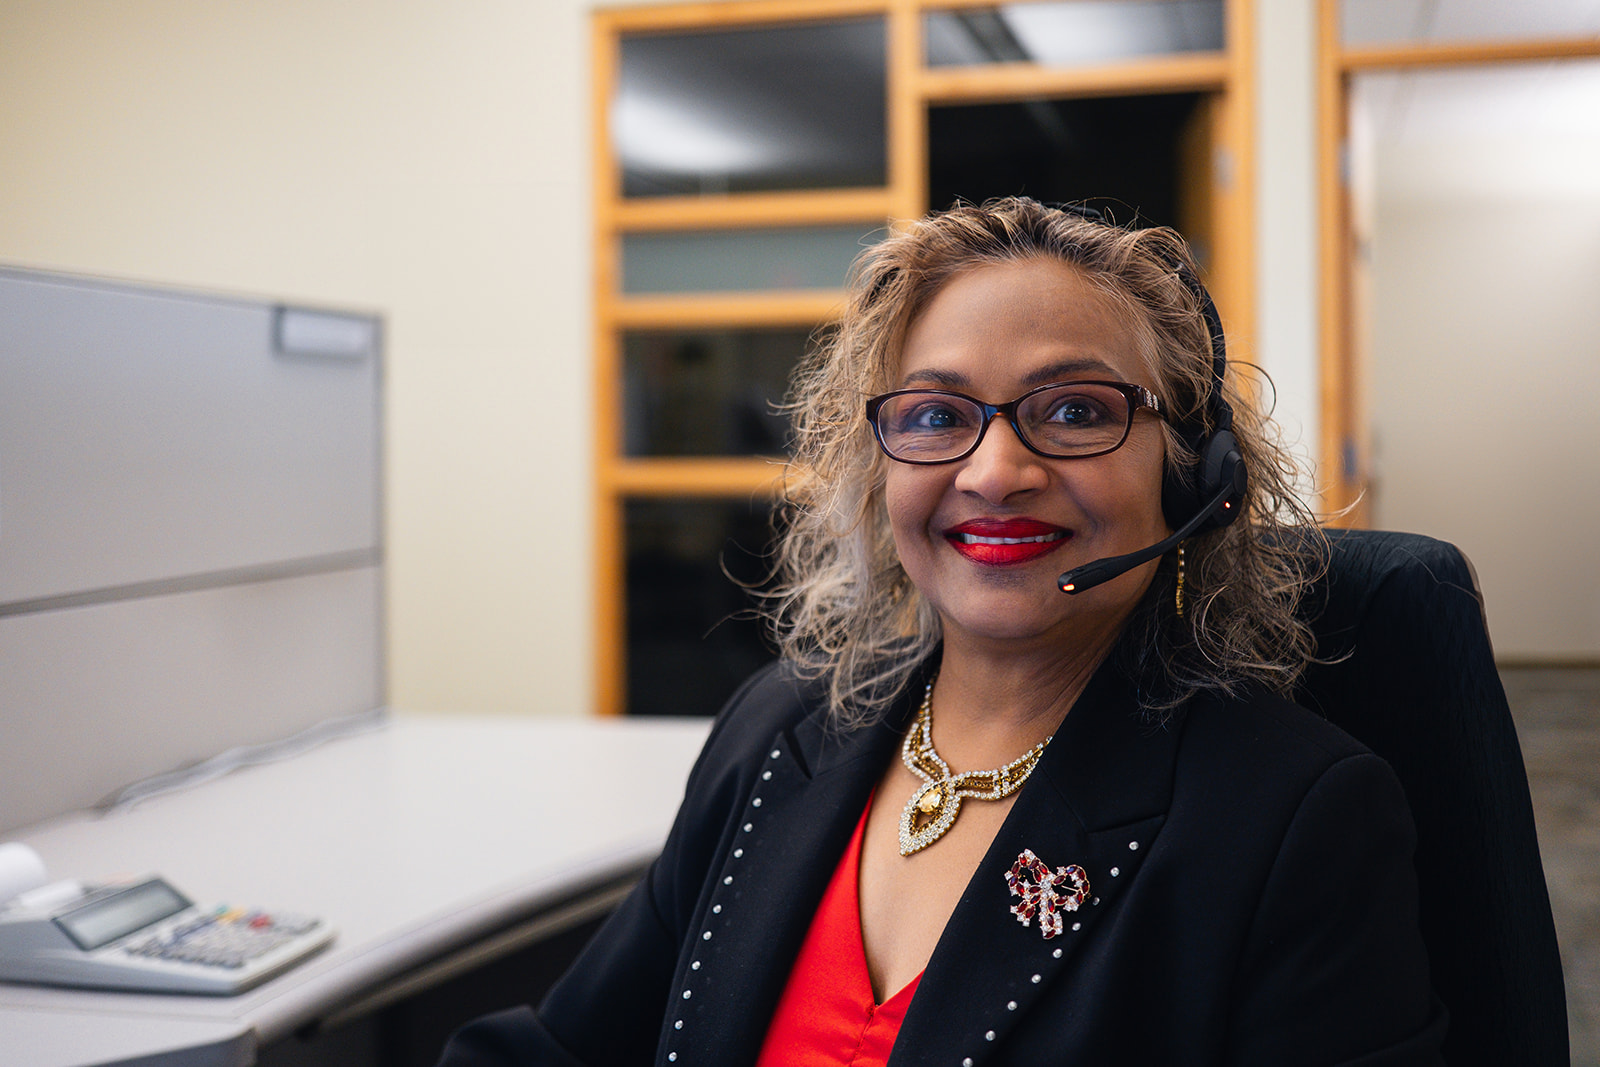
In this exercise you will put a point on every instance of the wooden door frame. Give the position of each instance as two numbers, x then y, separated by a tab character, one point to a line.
1345	437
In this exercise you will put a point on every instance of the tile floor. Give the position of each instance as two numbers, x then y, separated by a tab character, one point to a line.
1557	712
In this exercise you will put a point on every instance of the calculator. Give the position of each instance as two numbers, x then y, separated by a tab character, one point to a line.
146	936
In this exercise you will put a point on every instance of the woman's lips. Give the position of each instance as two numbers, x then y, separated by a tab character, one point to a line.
1000	542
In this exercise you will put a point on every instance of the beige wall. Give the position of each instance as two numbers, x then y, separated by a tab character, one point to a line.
1286	218
429	161
1485	265
420	159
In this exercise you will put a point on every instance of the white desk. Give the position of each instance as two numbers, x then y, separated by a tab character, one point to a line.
415	841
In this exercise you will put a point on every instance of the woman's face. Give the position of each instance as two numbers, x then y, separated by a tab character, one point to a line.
994	332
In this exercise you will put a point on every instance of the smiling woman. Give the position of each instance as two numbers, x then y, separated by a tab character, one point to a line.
1217	875
1045	297
982	534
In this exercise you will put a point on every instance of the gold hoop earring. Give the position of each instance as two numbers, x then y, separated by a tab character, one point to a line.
1177	596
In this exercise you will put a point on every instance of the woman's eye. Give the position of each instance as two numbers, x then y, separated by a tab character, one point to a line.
932	416
1077	411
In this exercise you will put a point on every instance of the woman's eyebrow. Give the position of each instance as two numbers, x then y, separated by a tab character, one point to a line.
1060	371
1069	369
942	379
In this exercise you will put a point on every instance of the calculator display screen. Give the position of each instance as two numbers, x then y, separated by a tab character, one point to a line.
121	913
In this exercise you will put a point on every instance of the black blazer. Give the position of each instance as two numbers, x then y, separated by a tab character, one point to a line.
1253	901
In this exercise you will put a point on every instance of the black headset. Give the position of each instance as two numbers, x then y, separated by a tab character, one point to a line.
1219	474
1219	478
1215	497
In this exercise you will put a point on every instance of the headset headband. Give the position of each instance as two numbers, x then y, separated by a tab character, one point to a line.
1222	413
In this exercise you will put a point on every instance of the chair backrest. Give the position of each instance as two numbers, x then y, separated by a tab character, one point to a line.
1410	673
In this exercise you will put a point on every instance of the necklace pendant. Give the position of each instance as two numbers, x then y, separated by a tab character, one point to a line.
934	806
930	812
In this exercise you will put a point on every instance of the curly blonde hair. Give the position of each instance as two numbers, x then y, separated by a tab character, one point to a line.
843	609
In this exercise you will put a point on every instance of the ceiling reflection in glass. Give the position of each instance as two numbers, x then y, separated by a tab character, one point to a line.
741	261
1073	32
1366	22
781	107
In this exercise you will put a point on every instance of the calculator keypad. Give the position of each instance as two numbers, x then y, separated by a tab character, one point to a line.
227	937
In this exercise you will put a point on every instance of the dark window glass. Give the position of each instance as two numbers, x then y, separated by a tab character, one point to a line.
781	107
691	639
1120	153
707	392
1073	33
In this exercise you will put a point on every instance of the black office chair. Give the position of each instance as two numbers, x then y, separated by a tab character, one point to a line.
1413	677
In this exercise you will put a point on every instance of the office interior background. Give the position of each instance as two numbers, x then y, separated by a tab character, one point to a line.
434	164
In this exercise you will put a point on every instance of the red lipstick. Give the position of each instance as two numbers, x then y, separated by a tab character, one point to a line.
1002	542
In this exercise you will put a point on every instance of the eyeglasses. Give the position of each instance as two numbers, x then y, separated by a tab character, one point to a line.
1064	420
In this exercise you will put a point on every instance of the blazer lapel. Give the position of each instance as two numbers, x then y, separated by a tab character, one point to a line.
1096	801
794	825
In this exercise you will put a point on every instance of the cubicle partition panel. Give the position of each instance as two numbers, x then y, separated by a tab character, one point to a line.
190	535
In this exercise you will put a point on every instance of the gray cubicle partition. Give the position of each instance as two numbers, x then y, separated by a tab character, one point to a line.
190	537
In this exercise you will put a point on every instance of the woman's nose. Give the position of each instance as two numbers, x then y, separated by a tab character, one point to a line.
1002	465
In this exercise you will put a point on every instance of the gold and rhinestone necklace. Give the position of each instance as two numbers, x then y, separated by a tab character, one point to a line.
933	808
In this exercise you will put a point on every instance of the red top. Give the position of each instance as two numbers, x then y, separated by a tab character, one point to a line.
827	1014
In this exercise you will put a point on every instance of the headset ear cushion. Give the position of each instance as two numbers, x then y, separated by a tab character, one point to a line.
1222	467
1219	465
1179	498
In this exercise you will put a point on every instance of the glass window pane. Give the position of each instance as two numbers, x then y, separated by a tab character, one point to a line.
1073	32
714	261
1431	21
781	107
707	392
687	652
1121	153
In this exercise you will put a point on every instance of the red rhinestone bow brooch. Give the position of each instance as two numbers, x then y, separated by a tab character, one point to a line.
1044	892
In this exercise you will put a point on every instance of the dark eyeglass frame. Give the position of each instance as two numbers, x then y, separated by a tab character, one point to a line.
1137	395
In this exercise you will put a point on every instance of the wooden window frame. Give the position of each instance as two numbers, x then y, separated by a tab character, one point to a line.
1227	76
